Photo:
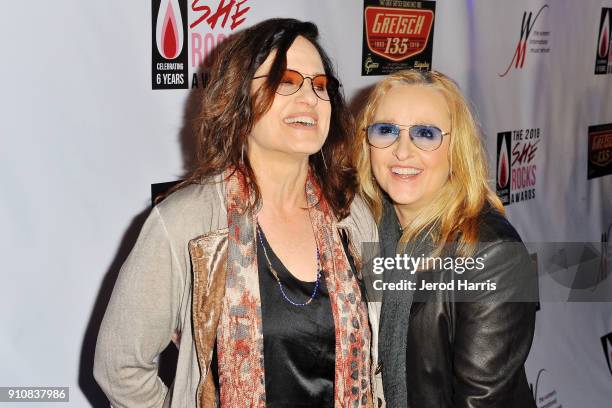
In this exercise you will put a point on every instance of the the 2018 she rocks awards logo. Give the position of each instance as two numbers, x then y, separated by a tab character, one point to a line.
533	40
600	151
397	35
517	165
183	37
603	57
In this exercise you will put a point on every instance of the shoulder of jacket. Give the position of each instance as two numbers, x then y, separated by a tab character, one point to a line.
360	208
205	193
495	228
360	222
200	204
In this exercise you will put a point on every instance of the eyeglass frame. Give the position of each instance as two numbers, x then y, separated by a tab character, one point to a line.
406	127
330	78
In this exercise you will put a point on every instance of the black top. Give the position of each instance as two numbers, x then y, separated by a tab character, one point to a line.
299	341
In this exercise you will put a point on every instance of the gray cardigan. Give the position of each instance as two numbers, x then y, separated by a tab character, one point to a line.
152	298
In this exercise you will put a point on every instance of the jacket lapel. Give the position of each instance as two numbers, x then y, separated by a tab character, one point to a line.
209	260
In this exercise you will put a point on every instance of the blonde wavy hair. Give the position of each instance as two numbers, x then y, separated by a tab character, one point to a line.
453	216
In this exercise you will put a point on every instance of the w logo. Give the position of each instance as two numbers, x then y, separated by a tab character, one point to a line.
518	59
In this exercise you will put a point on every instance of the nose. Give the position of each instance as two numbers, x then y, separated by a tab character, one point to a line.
307	94
403	147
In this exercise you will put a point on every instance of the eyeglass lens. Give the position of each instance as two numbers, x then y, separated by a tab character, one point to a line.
292	81
425	137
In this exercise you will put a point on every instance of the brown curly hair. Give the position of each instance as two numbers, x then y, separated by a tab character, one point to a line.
229	110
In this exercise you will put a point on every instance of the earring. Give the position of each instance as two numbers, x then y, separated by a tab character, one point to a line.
323	156
242	154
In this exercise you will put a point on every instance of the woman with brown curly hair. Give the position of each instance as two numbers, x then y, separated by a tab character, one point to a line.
250	263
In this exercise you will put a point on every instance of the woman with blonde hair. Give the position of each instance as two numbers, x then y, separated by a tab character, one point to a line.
460	338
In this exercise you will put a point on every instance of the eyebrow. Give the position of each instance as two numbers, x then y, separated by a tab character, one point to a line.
418	122
305	73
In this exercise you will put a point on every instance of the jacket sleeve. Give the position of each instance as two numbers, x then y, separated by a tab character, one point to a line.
494	329
140	320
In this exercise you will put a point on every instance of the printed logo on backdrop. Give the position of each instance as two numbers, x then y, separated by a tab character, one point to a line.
397	35
183	38
517	165
533	39
603	58
600	151
543	391
169	53
606	342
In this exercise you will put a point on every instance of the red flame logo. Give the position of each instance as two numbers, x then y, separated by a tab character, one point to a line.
604	43
503	166
169	30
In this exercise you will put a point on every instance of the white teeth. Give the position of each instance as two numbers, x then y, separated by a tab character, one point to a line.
405	170
304	120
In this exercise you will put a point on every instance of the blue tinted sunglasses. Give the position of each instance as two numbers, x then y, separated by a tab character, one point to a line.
425	137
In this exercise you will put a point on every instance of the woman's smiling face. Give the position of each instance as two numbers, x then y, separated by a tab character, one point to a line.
295	124
410	176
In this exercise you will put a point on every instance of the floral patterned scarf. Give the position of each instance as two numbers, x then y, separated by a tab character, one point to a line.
239	334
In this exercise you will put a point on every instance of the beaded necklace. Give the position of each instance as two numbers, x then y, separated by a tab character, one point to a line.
280	284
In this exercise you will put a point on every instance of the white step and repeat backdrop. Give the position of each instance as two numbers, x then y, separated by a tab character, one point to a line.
84	136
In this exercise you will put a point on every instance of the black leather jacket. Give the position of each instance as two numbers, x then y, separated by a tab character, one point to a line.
470	353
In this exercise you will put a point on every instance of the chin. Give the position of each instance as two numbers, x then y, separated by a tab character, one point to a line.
307	147
401	196
403	199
